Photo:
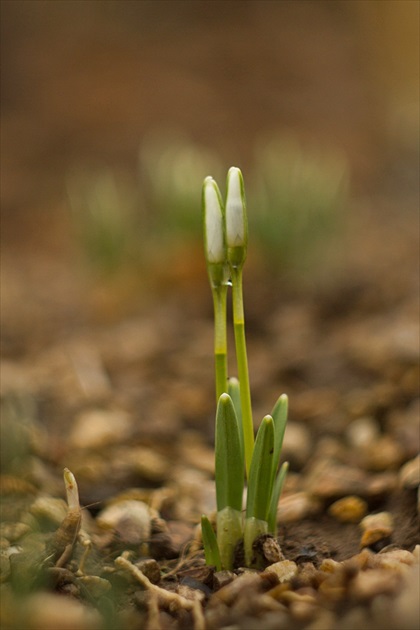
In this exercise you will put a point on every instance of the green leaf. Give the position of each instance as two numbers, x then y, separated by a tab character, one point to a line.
279	415
234	392
229	465
260	475
278	487
211	548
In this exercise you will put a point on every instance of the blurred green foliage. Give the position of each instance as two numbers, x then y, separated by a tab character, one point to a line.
295	200
103	211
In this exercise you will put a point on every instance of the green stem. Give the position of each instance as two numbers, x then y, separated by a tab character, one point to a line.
242	362
220	339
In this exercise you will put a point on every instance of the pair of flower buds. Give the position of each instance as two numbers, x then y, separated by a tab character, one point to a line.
225	226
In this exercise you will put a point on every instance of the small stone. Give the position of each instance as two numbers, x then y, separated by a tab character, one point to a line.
180	533
308	575
409	475
13	531
404	425
369	584
396	559
248	582
222	578
382	520
406	604
184	590
296	507
50	611
371	538
376	528
360	402
48	511
297	445
141	460
329	448
361	561
90	371
303	611
315	403
268	548
363	432
381	484
385	454
150	568
130	521
284	570
194	492
330	566
328	479
97	428
195	453
306	595
349	509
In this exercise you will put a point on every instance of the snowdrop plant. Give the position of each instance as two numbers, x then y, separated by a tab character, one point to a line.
238	457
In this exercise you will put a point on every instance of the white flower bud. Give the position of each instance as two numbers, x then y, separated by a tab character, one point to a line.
236	221
213	222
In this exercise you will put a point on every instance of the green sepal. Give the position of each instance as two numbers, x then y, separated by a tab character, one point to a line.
236	256
275	497
218	274
260	481
211	548
229	464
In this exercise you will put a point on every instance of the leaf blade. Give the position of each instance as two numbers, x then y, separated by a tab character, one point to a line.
275	497
229	462
260	476
211	548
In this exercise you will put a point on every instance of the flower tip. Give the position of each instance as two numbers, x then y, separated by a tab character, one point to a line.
236	223
235	182
213	222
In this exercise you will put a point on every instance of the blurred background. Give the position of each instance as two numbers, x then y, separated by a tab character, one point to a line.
112	115
113	112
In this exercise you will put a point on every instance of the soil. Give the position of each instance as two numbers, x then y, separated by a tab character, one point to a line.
111	375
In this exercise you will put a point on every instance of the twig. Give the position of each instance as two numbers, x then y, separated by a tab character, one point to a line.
165	598
153	620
